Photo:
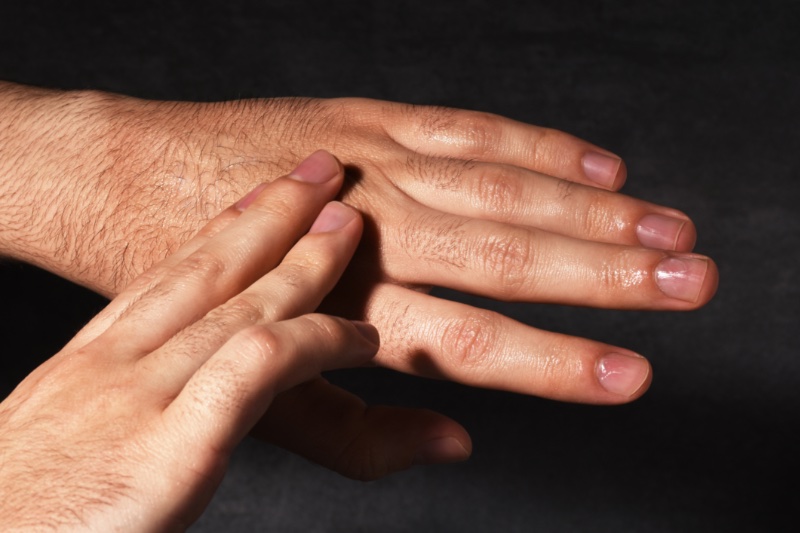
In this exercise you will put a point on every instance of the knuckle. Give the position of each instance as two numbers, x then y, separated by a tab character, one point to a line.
247	308
497	192
471	339
598	220
203	266
282	201
621	272
474	132
506	259
258	343
307	266
557	368
480	133
546	147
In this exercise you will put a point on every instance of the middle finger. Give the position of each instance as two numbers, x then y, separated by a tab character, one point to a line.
522	264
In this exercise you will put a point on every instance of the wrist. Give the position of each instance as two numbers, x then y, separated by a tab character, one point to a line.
49	156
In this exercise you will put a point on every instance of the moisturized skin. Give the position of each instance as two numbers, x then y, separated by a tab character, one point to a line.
453	198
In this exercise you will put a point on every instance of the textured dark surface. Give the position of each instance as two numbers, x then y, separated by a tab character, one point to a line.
703	101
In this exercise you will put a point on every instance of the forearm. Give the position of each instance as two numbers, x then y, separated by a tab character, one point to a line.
51	146
81	186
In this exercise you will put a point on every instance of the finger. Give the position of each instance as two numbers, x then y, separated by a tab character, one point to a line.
472	135
230	261
147	280
295	287
514	195
520	264
431	337
230	392
336	429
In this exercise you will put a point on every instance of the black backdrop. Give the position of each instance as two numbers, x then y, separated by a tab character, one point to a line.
701	98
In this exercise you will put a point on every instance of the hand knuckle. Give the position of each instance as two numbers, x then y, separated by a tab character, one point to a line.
557	368
282	202
203	266
480	133
620	271
258	343
598	220
471	339
507	260
247	308
497	191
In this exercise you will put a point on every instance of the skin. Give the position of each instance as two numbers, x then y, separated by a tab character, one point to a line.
450	198
147	402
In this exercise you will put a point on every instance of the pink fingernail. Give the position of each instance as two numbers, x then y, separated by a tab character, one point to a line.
248	198
681	277
601	168
334	216
622	374
319	167
444	450
659	231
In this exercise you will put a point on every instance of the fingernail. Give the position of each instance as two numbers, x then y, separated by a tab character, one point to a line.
601	168
659	231
334	216
248	198
681	277
368	331
622	374
319	167
445	450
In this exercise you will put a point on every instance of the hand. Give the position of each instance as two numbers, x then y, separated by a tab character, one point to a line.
131	425
464	200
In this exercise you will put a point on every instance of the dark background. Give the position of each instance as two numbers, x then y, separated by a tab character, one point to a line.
702	99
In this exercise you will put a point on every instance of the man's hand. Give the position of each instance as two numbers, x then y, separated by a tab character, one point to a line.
451	198
131	425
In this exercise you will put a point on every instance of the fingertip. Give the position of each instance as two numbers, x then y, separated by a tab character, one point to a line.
710	283
442	450
444	441
625	375
333	217
687	237
690	280
671	231
621	176
604	169
371	340
368	332
319	167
